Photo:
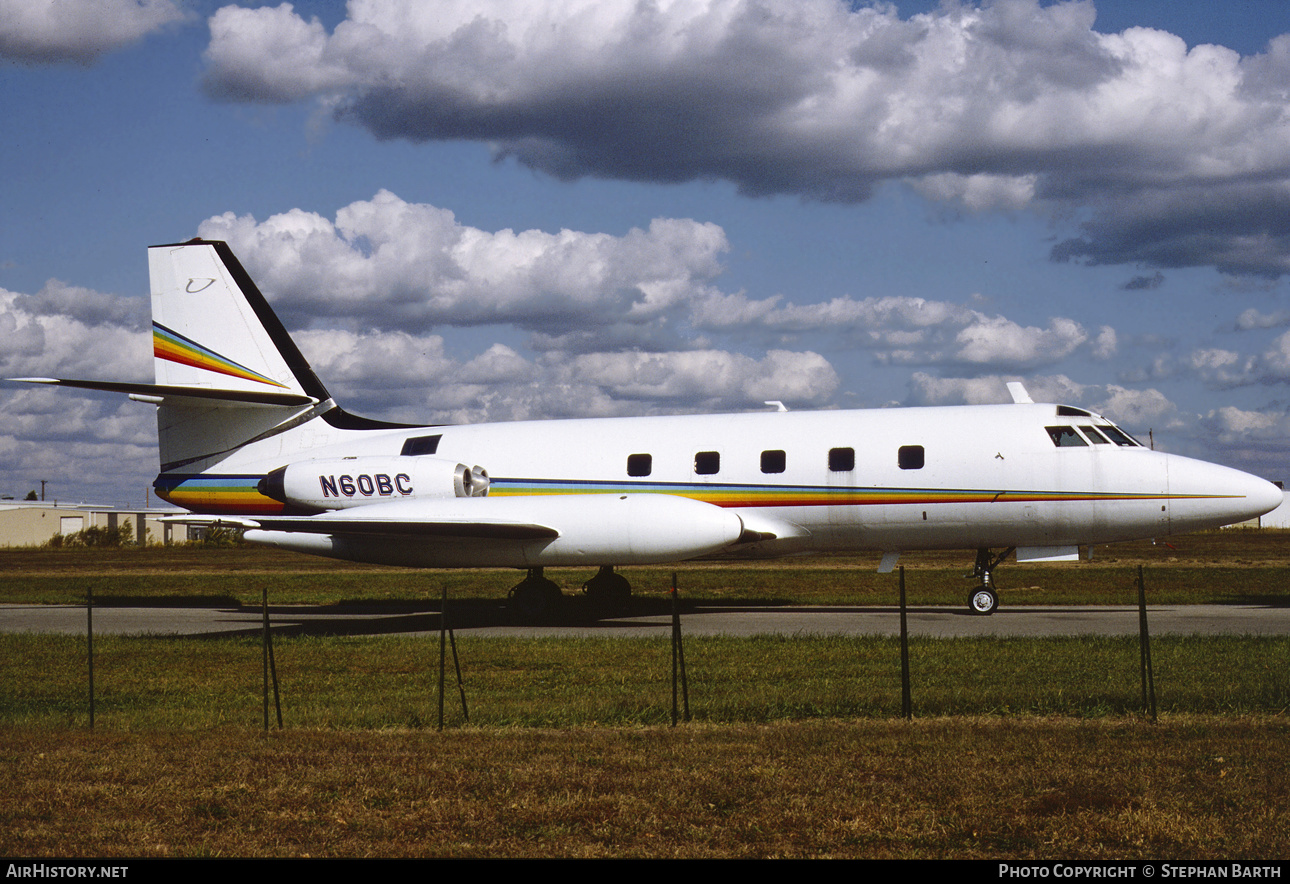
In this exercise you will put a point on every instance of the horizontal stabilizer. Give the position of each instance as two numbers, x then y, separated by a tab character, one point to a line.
176	395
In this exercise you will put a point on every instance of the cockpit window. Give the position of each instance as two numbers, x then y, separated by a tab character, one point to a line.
1119	437
1066	437
1094	436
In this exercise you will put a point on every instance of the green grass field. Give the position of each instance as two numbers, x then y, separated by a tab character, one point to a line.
1214	567
371	683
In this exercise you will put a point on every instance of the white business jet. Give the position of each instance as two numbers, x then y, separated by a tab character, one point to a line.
250	437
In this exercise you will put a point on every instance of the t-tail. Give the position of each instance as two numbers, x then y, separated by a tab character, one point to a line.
231	386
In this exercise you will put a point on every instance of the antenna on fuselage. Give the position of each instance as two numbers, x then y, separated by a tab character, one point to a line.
779	406
1018	392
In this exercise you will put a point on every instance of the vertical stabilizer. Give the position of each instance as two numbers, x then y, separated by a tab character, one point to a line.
211	327
212	330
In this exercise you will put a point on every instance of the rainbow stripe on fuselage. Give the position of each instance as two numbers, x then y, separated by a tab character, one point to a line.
217	494
237	494
759	495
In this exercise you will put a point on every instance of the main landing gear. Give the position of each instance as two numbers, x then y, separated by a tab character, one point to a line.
535	597
984	599
608	591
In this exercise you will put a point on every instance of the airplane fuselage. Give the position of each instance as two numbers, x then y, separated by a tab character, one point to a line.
884	479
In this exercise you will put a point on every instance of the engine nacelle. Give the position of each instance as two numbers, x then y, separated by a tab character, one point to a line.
342	482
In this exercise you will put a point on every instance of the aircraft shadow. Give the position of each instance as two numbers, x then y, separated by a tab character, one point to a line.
402	617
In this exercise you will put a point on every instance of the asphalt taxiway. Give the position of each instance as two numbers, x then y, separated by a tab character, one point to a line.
941	622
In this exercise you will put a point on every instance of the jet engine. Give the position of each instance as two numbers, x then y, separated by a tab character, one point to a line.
339	483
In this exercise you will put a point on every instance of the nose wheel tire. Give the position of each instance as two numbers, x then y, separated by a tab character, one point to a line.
982	601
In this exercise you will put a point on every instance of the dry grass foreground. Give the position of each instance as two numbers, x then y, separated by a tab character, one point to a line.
1188	787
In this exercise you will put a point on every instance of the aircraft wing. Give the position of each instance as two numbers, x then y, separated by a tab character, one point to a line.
522	531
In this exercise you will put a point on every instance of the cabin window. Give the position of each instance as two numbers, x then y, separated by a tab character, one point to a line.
842	460
1094	436
421	445
1066	437
706	463
640	464
910	457
773	461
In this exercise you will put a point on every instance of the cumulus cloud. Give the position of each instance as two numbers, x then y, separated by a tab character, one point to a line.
91	446
45	31
909	330
1273	365
1136	408
82	333
1236	226
82	305
405	377
996	340
387	263
95	443
1222	368
1258	440
1175	154
1235	425
709	378
1253	319
908	314
615	324
926	389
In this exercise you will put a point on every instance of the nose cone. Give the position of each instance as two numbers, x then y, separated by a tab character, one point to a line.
1264	497
1206	495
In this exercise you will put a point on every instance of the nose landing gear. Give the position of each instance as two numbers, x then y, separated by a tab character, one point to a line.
983	600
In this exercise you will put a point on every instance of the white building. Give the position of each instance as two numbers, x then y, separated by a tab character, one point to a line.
35	523
1279	517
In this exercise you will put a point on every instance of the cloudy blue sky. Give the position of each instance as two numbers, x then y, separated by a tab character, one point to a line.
504	209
